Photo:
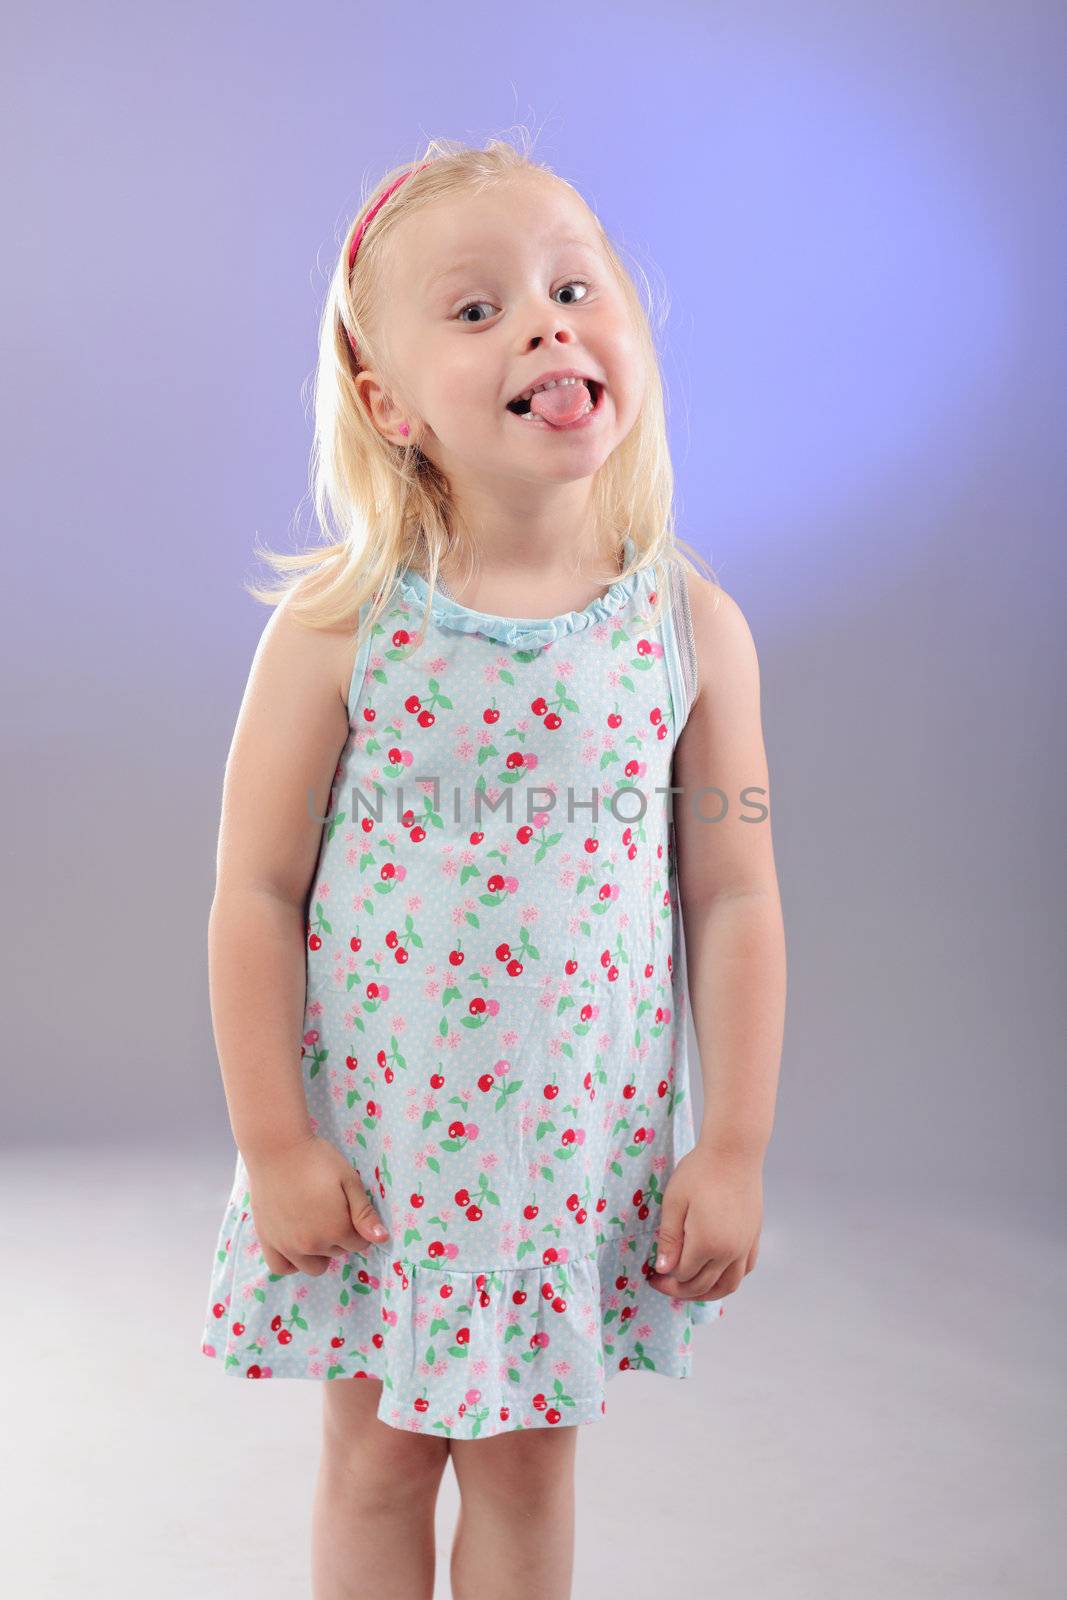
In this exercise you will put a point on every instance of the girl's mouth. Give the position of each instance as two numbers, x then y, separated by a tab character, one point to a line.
521	410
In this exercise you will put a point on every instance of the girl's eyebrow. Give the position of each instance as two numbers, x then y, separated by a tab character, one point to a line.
436	279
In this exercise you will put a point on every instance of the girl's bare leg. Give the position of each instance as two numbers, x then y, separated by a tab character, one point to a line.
373	1518
515	1535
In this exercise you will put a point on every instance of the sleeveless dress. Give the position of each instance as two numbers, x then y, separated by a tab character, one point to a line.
494	1033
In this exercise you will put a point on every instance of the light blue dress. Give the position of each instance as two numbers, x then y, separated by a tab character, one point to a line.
494	1032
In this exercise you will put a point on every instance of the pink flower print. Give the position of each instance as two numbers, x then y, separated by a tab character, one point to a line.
528	916
561	1368
479	1369
526	1123
488	1161
659	1163
323	891
316	1367
351	1135
645	1330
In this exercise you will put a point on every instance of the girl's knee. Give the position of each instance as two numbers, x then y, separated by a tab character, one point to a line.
527	1467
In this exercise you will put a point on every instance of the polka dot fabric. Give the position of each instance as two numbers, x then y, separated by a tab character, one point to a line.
494	1032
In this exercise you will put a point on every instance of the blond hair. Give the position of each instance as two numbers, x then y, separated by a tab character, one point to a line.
383	506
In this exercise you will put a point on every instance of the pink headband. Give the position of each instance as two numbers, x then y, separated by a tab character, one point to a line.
357	237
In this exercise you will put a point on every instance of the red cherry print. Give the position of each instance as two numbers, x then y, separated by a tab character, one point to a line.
412	703
661	1087
485	1082
437	1080
477	1006
285	1336
539	706
392	938
572	1202
238	1329
314	942
601	1204
476	838
456	1130
581	1214
456	958
388	870
655	715
495	882
502	952
355	943
592	846
539	1402
553	721
369	713
462	1197
367	824
530	1211
643	647
422	1404
550	1091
418	1200
524	834
614	720
570	967
417	834
426	718
552	1415
474	1213
351	1062
514	967
519	1297
401	637
218	1309
490	715
515	759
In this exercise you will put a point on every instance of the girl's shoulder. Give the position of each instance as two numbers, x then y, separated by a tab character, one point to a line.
722	641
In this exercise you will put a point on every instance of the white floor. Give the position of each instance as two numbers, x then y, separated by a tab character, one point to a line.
878	1416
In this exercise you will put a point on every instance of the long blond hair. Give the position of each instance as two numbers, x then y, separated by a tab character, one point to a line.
381	506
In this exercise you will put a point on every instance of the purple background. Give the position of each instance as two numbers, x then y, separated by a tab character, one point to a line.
855	215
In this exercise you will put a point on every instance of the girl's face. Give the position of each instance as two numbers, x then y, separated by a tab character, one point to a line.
487	294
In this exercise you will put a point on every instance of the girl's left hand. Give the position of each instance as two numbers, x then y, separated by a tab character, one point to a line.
710	1225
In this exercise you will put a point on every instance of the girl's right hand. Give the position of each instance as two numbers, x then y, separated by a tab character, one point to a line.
308	1205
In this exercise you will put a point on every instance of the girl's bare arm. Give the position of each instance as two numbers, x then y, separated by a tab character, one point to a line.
732	915
290	732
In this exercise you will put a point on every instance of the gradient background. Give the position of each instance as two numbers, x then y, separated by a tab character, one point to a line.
855	217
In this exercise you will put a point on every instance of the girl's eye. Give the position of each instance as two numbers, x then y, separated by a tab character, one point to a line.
572	283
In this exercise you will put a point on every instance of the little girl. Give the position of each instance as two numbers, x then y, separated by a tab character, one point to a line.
447	974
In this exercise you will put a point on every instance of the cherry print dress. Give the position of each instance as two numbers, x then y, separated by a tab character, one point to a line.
494	1033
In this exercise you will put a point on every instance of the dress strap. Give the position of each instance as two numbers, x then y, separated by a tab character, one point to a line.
679	645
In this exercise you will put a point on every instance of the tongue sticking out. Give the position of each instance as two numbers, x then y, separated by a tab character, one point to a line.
561	405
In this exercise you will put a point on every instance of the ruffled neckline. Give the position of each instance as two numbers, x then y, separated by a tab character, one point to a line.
520	633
